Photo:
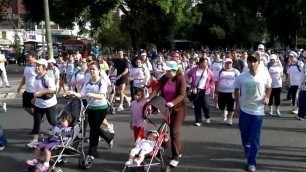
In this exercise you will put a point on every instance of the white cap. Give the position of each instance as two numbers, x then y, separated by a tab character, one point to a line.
143	54
51	61
273	57
293	54
260	46
228	60
195	55
42	62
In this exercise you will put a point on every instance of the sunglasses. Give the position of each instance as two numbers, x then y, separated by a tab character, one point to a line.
88	60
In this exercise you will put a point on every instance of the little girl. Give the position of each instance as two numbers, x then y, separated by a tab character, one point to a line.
138	124
51	142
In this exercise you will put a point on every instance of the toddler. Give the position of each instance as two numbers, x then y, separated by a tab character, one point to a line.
143	147
52	141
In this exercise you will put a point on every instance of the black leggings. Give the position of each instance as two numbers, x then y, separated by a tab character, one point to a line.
275	96
95	119
293	90
39	114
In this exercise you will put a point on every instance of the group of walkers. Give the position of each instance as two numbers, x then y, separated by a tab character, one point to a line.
239	81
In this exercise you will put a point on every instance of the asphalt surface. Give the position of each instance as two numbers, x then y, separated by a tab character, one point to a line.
213	147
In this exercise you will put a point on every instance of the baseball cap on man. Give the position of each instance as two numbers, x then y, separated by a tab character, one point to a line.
51	61
143	54
31	53
42	62
255	56
293	54
260	46
171	65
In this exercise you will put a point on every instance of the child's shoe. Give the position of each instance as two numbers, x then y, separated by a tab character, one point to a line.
129	162
42	167
32	162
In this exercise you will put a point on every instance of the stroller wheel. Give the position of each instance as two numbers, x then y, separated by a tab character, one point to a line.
56	169
85	162
165	168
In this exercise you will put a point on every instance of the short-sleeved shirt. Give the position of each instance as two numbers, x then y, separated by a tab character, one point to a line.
226	79
29	75
96	88
49	82
252	91
121	65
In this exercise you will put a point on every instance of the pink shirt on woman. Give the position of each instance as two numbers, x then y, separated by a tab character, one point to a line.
169	91
136	113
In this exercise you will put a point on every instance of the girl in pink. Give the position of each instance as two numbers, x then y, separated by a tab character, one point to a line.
138	123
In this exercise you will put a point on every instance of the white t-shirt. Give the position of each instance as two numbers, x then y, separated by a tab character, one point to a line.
216	66
146	145
276	75
29	75
53	73
39	87
296	75
138	75
226	80
159	66
103	76
252	91
95	88
203	80
62	67
78	79
69	68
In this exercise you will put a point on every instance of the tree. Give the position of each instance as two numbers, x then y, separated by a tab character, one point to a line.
4	4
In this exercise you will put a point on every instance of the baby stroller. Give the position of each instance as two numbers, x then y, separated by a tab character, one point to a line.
74	146
155	158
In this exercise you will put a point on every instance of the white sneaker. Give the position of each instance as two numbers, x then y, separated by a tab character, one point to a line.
110	128
111	144
2	107
117	98
120	108
224	119
2	147
229	122
295	112
173	163
32	144
208	120
251	168
198	124
128	99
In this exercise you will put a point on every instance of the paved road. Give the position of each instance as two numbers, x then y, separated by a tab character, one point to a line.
210	148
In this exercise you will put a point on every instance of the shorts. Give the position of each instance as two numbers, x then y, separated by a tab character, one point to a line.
48	145
226	100
26	99
122	80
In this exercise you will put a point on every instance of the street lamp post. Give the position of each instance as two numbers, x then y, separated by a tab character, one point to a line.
48	29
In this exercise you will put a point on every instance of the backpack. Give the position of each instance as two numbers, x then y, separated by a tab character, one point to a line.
235	71
297	65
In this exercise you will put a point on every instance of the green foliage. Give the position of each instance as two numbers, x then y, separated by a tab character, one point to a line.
3	5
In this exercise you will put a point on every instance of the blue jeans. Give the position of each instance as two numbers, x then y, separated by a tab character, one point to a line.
3	141
201	102
250	127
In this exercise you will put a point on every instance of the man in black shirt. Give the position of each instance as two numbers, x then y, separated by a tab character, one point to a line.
121	64
237	63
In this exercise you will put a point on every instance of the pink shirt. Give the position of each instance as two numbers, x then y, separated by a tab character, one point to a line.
136	113
169	91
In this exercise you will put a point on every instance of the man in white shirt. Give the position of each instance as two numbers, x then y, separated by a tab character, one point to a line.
252	93
3	76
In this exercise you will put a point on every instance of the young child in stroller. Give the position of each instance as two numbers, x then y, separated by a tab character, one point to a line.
51	142
142	148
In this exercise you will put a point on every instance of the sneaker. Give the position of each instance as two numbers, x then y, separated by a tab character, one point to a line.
129	162
111	144
295	112
32	144
229	122
42	167
271	113
224	119
173	163
208	120
117	98
251	168
198	124
2	147
277	113
192	106
120	108
8	86
32	162
110	128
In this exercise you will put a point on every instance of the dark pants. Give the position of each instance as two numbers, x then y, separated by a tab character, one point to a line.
250	128
176	121
293	91
201	101
132	90
39	114
3	140
275	96
288	93
302	104
95	119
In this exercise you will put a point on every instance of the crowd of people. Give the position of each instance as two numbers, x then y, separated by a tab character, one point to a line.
249	83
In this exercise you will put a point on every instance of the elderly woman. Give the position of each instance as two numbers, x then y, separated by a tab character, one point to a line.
44	100
96	90
172	87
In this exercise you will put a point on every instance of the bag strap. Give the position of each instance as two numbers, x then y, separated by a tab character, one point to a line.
200	79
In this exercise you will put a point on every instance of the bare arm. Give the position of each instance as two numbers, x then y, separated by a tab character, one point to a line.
22	82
